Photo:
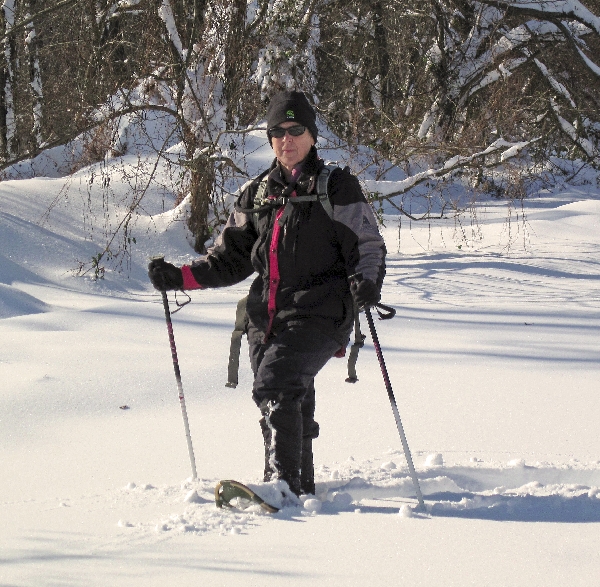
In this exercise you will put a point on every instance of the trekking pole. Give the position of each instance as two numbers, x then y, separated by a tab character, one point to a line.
179	384
388	385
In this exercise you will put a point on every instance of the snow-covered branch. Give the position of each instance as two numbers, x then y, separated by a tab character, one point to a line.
477	60
166	14
554	83
504	150
582	142
474	69
549	9
576	43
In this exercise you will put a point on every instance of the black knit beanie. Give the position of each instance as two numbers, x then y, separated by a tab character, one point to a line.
291	107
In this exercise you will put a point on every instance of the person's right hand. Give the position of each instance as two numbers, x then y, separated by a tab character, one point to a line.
164	276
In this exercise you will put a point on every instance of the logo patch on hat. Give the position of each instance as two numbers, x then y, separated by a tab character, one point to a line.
290	114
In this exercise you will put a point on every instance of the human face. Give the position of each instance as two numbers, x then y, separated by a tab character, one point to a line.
291	150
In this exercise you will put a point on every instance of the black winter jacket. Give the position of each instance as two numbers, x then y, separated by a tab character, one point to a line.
315	253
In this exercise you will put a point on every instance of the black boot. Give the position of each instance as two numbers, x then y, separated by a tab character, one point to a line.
266	432
283	442
307	476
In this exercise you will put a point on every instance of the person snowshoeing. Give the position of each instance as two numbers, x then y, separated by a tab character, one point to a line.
300	307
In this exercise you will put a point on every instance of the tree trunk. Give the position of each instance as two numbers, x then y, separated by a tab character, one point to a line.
8	117
32	52
382	56
235	62
202	185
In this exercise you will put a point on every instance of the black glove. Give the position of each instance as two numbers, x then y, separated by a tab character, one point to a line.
365	293
164	276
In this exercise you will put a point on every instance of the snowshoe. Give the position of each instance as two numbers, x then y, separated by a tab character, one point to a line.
234	494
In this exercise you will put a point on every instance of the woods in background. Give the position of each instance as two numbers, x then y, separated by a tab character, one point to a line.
419	82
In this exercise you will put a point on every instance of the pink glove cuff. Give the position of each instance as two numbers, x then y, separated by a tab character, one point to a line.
189	281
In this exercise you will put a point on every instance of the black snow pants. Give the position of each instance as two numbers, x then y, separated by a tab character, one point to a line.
284	371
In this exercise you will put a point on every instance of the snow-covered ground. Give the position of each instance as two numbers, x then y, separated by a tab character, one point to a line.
494	357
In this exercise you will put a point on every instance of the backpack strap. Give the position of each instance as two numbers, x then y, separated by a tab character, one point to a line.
241	328
321	195
261	192
359	342
323	188
385	313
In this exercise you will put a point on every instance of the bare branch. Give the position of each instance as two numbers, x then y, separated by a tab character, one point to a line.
549	10
24	23
505	149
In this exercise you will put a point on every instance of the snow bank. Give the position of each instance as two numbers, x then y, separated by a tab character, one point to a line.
14	302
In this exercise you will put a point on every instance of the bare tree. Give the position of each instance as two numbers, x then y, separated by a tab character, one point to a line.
433	87
444	86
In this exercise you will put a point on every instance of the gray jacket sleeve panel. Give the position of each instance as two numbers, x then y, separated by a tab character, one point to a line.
228	261
368	257
236	220
361	244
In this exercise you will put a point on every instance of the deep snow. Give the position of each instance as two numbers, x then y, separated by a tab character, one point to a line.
494	358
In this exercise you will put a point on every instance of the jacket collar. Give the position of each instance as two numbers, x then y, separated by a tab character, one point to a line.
310	169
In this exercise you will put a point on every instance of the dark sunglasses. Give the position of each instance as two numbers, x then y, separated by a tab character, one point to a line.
278	132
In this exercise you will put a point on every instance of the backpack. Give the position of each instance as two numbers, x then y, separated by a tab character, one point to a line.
241	319
321	196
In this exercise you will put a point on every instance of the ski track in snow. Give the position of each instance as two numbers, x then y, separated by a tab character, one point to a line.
513	491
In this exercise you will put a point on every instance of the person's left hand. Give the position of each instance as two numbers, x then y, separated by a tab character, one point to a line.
164	276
